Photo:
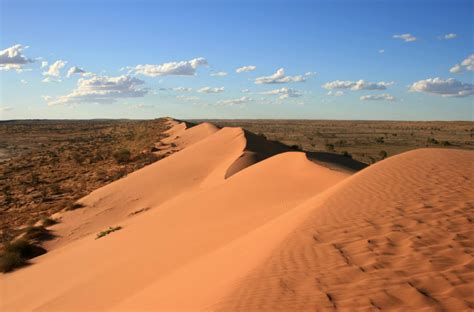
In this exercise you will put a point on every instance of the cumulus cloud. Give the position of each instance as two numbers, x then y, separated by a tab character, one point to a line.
405	37
177	89
335	93
449	36
182	89
284	93
279	77
245	90
232	102
356	85
211	90
102	89
446	88
54	71
247	68
187	98
219	74
44	64
182	68
75	70
378	97
466	64
12	58
23	81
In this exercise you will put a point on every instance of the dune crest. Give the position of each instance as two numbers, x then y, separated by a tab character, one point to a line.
397	235
173	213
234	222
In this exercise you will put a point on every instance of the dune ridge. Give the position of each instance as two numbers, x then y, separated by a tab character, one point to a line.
234	222
397	235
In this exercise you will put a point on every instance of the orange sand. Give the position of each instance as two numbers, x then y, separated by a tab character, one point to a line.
233	222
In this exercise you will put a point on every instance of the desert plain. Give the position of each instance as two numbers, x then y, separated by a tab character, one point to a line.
236	215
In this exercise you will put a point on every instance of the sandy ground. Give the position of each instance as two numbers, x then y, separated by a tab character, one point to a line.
233	222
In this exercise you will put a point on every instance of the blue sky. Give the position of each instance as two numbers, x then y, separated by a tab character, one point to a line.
403	60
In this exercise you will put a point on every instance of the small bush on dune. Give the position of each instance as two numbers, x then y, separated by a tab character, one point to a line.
37	233
46	221
17	254
74	206
108	231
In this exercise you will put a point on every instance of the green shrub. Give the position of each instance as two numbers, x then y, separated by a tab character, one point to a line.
108	231
122	156
383	154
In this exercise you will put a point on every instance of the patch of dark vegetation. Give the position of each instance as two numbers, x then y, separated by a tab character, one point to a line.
108	231
122	156
47	165
37	233
47	221
346	154
16	254
74	206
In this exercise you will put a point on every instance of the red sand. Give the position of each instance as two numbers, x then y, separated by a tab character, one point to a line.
279	233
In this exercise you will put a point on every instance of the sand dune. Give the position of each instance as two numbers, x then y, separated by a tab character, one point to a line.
234	222
397	235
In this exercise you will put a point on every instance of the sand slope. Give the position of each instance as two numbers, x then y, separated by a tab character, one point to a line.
397	235
174	213
233	222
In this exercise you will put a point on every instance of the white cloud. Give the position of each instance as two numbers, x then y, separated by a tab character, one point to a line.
211	90
378	97
177	89
245	90
247	68
356	85
466	64
405	37
446	88
335	93
54	71
381	51
47	98
449	36
75	70
219	74
12	58
284	93
23	81
182	68
44	64
455	69
182	89
279	77
309	74
232	102
187	98
102	89
5	108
